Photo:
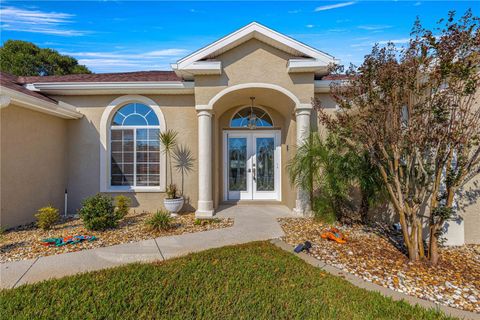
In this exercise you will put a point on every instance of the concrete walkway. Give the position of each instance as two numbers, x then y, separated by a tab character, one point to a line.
252	223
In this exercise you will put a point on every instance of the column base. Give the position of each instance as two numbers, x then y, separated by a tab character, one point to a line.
301	209
205	214
205	210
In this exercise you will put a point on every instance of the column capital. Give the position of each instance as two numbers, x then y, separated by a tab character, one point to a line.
303	108
200	107
207	113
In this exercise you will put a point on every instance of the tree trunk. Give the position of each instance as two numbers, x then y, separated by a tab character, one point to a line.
421	250
364	208
433	246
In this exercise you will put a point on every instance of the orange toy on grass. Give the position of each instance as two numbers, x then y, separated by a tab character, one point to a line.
334	235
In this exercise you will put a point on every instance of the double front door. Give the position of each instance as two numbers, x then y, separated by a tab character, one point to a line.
251	165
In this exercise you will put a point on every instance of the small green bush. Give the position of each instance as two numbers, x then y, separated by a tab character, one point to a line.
47	217
161	220
203	222
98	213
2	233
123	206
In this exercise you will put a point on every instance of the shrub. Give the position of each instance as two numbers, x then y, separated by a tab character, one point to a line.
98	213
123	205
47	217
161	220
204	222
171	191
2	233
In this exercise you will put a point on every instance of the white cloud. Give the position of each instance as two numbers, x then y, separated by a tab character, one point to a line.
294	11
334	6
395	41
35	21
111	61
416	4
309	26
369	44
374	27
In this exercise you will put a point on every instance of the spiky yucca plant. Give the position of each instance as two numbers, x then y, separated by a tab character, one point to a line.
168	139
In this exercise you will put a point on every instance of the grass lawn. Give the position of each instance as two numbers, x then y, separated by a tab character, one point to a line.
252	281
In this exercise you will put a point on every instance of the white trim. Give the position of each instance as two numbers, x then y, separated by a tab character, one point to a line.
204	68
323	86
261	85
105	145
306	65
60	109
73	88
252	30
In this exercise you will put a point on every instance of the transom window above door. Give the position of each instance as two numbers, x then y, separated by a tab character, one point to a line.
251	117
135	147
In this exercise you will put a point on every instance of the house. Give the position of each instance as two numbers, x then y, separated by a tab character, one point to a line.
241	105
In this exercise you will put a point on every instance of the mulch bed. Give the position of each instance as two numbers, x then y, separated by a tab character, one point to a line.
25	242
371	253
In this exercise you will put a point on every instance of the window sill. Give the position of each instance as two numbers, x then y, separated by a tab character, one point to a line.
135	189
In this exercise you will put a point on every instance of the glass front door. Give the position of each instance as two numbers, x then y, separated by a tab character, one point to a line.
252	165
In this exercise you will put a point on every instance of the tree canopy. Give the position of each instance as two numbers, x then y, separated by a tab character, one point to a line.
415	112
24	58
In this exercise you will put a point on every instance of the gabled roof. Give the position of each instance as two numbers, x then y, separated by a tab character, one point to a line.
12	91
15	83
306	58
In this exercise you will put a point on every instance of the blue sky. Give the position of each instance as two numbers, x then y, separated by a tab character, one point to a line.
115	36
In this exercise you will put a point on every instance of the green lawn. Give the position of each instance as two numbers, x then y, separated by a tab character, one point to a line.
252	281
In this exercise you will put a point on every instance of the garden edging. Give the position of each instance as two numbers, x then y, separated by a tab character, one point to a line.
359	282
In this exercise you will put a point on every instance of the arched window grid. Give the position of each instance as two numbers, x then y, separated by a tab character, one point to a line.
134	147
243	118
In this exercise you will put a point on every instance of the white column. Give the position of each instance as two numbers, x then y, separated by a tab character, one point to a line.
205	199
302	113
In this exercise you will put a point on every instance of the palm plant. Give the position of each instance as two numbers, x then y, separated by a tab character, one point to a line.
328	170
319	169
183	161
168	139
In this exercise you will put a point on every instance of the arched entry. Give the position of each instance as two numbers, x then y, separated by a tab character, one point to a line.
214	119
251	156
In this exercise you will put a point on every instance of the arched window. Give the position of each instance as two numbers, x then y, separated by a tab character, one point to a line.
135	147
251	117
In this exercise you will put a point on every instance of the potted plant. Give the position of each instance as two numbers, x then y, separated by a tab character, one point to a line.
173	202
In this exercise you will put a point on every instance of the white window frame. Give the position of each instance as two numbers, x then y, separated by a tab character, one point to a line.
105	141
248	107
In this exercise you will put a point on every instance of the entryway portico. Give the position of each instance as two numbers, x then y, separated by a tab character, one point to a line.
250	164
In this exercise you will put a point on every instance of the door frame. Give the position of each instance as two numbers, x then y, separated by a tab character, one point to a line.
278	161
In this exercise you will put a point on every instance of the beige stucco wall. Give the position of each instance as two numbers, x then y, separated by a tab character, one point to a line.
254	61
84	149
33	163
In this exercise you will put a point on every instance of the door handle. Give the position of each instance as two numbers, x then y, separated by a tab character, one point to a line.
253	170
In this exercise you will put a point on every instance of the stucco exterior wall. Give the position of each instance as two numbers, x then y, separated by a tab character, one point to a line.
254	62
33	163
84	149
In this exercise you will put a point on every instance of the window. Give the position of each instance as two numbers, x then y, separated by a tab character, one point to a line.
251	117
135	147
